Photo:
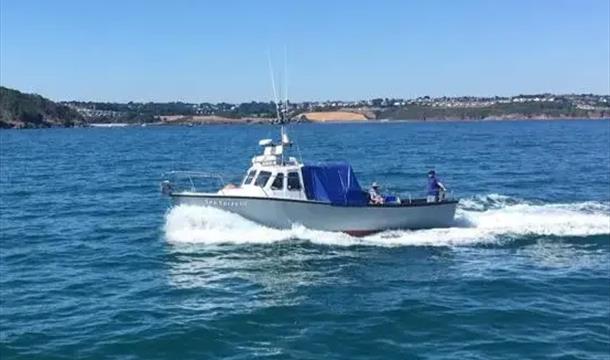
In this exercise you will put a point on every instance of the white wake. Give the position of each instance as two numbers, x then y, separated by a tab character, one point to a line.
486	219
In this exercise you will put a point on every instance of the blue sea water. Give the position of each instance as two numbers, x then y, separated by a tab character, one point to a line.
94	264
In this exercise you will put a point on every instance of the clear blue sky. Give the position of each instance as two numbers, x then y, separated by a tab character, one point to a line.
217	50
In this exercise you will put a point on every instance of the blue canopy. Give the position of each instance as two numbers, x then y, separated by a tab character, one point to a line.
333	182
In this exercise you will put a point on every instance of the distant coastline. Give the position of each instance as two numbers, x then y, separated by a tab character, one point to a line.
339	118
260	121
20	110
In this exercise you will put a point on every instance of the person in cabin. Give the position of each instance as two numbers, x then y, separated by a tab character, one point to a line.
374	196
436	189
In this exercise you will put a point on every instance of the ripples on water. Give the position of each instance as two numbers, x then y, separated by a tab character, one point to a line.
95	265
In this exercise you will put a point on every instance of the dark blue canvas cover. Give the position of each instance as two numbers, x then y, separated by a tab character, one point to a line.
333	182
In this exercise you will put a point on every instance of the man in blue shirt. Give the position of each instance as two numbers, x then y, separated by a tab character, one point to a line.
434	188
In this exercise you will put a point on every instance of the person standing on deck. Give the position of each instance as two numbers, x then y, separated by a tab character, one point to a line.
434	188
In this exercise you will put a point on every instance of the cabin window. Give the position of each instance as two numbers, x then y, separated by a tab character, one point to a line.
249	177
262	178
294	183
278	182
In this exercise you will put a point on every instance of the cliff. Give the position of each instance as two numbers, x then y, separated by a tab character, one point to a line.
20	110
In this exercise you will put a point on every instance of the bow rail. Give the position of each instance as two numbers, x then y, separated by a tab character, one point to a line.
191	181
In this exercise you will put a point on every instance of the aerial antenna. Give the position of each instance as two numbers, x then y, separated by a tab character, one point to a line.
285	81
277	109
281	109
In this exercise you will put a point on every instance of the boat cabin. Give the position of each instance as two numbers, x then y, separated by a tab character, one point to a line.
274	175
271	175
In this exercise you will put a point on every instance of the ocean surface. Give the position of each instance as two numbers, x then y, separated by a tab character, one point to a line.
94	263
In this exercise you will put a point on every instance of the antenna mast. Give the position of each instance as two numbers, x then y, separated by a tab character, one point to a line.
281	110
285	117
277	109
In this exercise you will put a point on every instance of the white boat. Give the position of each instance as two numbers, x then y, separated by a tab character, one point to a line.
280	191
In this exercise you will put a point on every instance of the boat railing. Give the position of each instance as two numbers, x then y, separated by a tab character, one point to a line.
408	198
191	181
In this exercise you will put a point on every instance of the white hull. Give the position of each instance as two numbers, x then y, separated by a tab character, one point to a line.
356	220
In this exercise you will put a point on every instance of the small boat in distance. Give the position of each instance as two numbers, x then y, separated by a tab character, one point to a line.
279	191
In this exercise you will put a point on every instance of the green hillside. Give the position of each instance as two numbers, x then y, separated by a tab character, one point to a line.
20	110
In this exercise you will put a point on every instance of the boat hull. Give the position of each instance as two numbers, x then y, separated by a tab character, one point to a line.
355	220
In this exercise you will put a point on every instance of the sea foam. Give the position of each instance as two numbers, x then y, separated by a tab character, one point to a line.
481	219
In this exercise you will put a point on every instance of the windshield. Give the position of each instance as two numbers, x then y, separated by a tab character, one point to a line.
278	183
249	177
262	178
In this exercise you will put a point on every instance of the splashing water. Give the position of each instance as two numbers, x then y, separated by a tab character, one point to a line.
482	219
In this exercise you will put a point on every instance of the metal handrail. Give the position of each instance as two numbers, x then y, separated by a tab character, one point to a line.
195	174
410	197
190	175
448	195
